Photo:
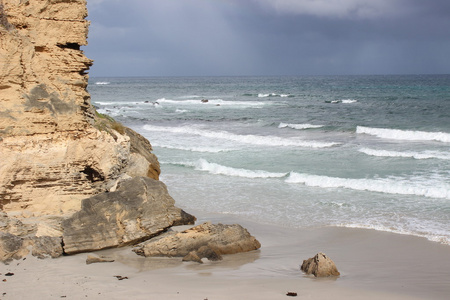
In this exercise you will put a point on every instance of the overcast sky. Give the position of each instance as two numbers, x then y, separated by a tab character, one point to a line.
268	37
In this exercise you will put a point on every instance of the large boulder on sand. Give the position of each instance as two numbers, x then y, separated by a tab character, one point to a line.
220	238
320	266
139	209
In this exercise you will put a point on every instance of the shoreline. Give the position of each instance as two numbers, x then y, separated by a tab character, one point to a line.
373	265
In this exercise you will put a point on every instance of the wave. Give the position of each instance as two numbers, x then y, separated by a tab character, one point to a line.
273	95
192	149
216	169
102	83
409	135
408	154
387	185
211	102
442	239
344	101
244	139
299	126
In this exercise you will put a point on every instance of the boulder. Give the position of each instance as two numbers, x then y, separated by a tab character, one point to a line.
139	209
320	266
92	259
15	247
201	240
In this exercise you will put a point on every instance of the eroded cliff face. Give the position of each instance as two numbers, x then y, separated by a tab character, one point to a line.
54	149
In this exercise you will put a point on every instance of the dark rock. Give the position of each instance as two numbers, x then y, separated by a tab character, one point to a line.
320	266
46	246
141	208
15	247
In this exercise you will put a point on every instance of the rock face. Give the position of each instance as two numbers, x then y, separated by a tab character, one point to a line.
71	179
55	149
15	247
320	266
139	209
197	241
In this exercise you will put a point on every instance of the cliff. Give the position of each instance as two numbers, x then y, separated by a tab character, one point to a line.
55	149
71	180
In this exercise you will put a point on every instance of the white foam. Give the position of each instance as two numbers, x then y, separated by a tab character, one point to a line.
349	101
273	95
217	169
244	139
180	111
299	126
443	239
406	154
211	102
102	83
409	135
104	103
192	149
419	186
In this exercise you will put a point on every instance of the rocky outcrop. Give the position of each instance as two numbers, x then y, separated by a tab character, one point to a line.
320	266
139	209
71	179
199	241
15	247
56	150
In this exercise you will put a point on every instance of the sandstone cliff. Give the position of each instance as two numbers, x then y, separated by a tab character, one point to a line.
55	149
71	179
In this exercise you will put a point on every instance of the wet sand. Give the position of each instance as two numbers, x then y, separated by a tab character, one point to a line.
373	265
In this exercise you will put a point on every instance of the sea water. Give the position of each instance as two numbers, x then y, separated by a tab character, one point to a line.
308	151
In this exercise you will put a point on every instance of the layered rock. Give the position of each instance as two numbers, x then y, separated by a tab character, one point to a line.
71	179
320	266
205	240
55	149
139	209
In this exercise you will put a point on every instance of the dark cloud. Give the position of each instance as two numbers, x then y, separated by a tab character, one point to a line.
268	37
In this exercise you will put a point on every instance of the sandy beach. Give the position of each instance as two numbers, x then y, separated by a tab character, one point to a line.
373	265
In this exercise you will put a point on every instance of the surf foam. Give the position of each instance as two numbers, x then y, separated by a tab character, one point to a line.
397	134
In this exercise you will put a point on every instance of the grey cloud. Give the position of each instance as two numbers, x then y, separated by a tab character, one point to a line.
247	37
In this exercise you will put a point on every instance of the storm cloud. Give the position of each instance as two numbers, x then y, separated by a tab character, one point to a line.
268	37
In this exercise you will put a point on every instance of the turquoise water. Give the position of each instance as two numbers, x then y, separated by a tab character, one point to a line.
354	151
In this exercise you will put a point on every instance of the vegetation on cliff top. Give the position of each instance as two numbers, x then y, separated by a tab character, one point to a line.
106	123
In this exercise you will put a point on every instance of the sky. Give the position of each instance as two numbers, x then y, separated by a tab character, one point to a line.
268	37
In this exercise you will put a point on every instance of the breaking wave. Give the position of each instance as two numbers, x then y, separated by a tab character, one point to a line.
192	149
397	134
406	154
418	187
211	102
299	126
244	139
217	169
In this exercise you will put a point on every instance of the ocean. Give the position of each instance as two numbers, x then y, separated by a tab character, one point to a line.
306	151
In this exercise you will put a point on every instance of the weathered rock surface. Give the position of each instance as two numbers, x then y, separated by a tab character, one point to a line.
71	179
140	208
55	149
92	259
320	266
221	239
15	247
